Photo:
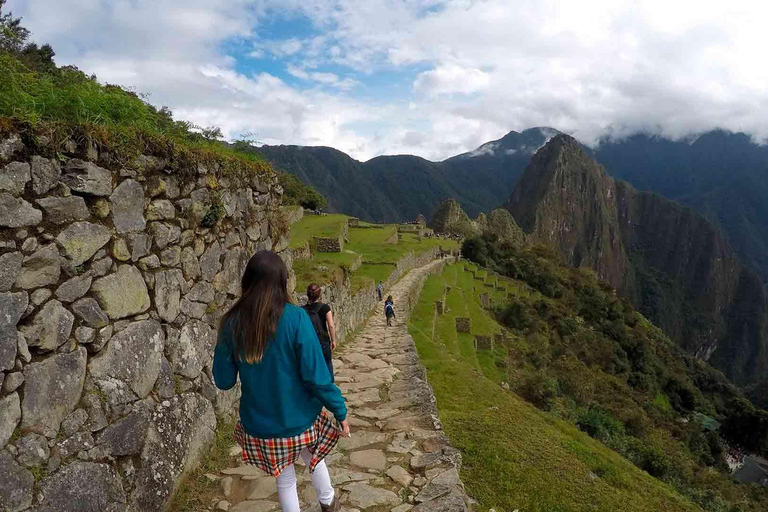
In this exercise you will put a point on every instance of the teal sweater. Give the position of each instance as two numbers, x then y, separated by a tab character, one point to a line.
284	393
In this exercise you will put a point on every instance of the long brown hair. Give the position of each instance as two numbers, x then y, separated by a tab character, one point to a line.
255	315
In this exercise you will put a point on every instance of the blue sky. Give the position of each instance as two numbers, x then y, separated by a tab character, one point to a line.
427	77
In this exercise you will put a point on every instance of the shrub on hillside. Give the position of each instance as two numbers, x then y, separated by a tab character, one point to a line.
297	193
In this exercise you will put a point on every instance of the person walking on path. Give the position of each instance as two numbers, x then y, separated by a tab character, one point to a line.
380	289
271	344
322	319
389	310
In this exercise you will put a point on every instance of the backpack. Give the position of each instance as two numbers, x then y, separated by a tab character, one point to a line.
389	310
312	310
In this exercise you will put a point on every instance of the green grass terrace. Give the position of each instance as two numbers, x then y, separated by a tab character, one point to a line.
367	241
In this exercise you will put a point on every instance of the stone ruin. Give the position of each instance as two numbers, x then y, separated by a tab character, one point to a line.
440	307
463	324
483	342
113	277
328	244
485	301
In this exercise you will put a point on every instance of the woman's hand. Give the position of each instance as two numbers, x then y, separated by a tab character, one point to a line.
345	429
333	344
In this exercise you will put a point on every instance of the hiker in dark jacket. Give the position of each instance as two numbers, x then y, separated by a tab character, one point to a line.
389	310
380	290
322	318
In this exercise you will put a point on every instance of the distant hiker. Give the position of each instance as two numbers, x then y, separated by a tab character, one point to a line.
322	320
389	310
380	289
273	346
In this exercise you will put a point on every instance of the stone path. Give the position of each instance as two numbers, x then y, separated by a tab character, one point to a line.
397	458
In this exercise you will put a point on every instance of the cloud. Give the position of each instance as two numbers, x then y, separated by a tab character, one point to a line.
450	79
371	75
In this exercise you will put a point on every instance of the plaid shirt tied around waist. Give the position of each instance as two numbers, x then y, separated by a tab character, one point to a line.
274	455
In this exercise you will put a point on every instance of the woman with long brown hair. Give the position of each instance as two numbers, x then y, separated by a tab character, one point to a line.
285	383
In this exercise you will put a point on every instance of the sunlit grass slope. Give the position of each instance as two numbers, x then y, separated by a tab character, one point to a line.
515	456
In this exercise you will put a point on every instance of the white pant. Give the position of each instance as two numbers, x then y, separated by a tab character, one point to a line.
286	484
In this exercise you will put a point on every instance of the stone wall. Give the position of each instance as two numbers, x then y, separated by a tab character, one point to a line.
350	310
113	276
328	244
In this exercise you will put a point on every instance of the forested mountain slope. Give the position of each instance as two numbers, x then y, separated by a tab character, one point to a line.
675	266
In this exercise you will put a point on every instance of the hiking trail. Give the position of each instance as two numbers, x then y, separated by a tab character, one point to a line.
398	458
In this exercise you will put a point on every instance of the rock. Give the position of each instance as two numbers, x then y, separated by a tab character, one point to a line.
104	335
97	419
193	309
210	261
9	146
171	256
161	209
12	382
52	389
127	206
12	307
192	350
222	505
64	210
123	293
364	496
16	212
400	476
133	357
262	488
140	244
10	268
255	506
16	484
164	234
147	164
81	240
50	328
14	177
450	503
101	267
226	485
22	349
120	250
201	292
80	441
85	335
87	178
167	295
74	421
29	245
448	478
180	435
10	415
40	269
82	486
39	296
45	174
165	385
32	450
74	288
405	507
151	262
360	439
369	459
189	263
234	266
432	491
88	311
126	437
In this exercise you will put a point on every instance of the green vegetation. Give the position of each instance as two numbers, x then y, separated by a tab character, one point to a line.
581	353
516	457
196	491
368	241
297	193
53	107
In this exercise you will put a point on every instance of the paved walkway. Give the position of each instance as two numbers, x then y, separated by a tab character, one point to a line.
398	458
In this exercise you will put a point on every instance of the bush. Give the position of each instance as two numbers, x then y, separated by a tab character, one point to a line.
540	390
598	423
297	193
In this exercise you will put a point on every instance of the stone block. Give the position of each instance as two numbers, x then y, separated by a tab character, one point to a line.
329	244
483	342
439	307
463	324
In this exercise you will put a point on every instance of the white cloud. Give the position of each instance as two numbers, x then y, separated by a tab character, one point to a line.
450	79
473	69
